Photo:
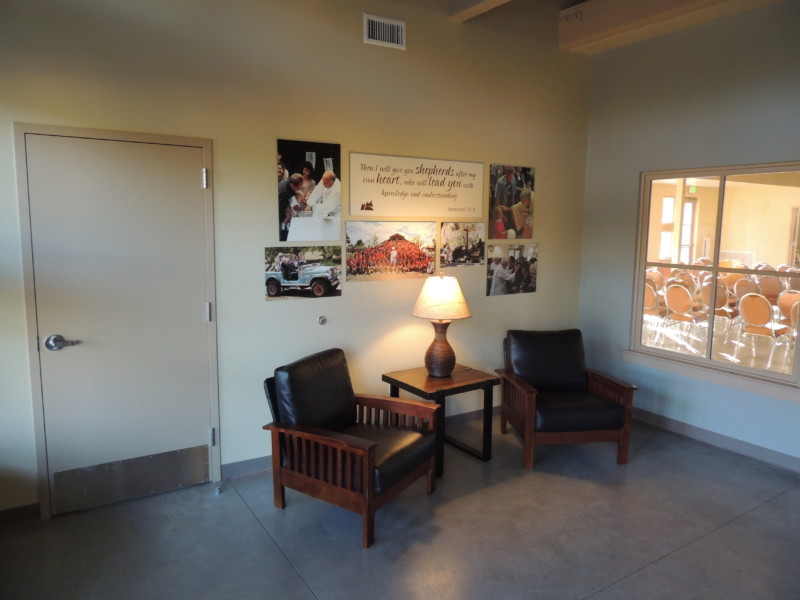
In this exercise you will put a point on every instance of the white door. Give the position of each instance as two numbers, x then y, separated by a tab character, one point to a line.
121	245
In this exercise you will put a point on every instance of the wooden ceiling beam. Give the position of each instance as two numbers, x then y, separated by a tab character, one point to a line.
463	10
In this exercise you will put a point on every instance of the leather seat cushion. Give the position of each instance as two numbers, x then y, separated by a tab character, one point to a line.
398	451
577	411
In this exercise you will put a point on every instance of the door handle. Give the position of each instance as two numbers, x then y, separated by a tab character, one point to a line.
57	342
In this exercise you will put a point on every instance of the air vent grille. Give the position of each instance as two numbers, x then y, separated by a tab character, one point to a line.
384	32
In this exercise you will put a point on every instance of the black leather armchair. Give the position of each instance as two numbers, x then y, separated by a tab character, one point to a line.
550	397
354	451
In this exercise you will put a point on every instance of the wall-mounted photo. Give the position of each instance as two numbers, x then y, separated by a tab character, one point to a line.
511	202
408	187
309	191
511	269
461	244
378	250
302	272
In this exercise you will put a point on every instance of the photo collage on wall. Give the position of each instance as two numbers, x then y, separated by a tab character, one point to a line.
512	259
445	200
309	211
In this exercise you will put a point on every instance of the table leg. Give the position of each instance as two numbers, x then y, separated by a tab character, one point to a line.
440	400
394	391
487	423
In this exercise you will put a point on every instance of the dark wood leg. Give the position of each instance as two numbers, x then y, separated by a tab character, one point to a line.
440	400
368	527
278	490
487	423
394	391
503	422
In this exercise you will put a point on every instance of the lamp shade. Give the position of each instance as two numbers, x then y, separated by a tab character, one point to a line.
441	299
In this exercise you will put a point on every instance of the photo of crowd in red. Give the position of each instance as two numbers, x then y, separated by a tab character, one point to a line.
379	250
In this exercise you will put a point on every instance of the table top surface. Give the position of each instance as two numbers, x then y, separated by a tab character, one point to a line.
462	379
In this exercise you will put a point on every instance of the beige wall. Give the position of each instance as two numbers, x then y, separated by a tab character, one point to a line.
759	218
243	74
705	218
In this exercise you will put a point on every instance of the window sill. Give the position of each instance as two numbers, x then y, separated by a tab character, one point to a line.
758	385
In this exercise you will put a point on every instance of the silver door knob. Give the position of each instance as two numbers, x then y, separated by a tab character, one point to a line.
57	342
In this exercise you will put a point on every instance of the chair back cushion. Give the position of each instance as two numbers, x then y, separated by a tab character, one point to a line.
269	389
552	361
316	391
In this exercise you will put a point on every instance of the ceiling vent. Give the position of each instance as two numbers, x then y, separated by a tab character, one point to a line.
384	32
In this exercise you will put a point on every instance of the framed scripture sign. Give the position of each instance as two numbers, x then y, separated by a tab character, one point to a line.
402	186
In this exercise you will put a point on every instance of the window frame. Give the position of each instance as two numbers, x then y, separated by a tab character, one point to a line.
653	356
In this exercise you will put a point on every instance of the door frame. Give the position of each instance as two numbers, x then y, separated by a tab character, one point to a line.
29	283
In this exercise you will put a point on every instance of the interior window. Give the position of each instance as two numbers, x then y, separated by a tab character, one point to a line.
720	268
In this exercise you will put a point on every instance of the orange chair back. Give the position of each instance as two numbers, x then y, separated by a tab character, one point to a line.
744	286
787	300
679	299
732	278
707	291
770	286
755	309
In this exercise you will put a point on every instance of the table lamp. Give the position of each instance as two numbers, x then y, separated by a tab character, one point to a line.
441	301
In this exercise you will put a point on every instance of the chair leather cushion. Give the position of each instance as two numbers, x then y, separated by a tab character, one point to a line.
577	411
552	361
398	451
316	391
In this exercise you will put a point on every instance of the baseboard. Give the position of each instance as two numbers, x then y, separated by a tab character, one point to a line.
766	455
19	513
246	467
468	417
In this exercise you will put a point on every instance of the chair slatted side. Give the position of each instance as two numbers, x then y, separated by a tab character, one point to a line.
518	401
370	415
406	414
333	464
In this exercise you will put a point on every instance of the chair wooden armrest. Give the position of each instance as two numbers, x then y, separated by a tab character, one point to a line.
397	412
324	437
611	387
515	380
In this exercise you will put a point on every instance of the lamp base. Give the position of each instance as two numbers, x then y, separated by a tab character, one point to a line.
440	360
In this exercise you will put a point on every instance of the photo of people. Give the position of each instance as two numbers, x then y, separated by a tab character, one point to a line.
379	250
309	191
511	202
302	272
461	244
511	269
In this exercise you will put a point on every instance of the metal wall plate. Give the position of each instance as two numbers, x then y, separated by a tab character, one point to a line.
89	487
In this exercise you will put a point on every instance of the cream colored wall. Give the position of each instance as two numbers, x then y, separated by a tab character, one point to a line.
707	199
705	221
761	220
243	74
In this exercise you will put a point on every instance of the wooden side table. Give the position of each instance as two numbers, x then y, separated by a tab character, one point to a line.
463	379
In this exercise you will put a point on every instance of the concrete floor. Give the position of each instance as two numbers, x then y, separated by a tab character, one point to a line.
682	520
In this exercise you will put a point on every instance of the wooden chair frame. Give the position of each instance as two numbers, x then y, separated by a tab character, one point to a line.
340	468
518	407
